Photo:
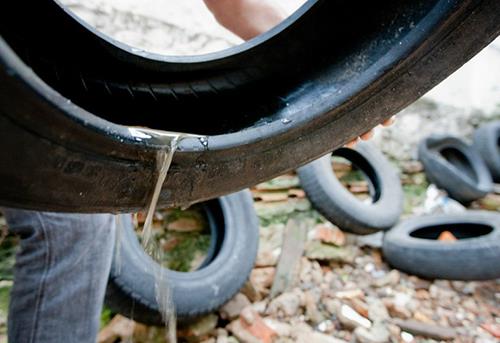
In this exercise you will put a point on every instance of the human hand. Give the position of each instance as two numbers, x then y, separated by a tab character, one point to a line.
369	134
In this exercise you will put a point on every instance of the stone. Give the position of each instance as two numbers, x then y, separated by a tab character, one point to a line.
233	307
359	306
490	202
312	313
424	329
350	294
316	250
396	310
391	278
376	334
199	328
412	167
326	326
251	328
186	224
377	312
270	241
419	283
352	319
317	337
119	327
316	273
281	329
260	306
250	290
492	329
446	236
332	306
287	304
327	233
221	332
358	187
262	278
304	333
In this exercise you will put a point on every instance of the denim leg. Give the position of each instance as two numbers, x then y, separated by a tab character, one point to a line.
60	275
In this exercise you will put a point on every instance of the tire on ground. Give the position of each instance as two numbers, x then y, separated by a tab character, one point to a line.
342	208
465	259
131	287
487	142
456	167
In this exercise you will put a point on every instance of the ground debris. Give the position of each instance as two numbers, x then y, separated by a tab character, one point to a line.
289	260
425	329
118	328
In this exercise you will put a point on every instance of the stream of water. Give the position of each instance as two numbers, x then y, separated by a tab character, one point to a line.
162	289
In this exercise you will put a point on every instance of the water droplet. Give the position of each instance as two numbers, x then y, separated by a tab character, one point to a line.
204	141
286	121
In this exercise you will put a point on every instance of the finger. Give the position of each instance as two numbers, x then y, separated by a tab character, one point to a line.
352	143
367	135
389	121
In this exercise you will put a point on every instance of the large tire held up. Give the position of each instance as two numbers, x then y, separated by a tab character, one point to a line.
131	287
411	246
456	167
487	142
342	208
328	73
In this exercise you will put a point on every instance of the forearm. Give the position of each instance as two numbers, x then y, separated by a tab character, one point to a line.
246	18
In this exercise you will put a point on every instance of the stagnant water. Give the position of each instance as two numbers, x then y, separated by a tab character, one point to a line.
163	161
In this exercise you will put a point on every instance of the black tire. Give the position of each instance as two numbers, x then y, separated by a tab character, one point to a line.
465	259
328	73
487	142
342	208
456	167
131	287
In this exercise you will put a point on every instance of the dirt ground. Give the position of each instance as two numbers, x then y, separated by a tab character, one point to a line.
341	289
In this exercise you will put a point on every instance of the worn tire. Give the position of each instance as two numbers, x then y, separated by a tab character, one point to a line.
342	208
487	142
468	259
328	73
456	167
131	286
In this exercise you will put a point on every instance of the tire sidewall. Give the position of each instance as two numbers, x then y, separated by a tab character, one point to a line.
200	291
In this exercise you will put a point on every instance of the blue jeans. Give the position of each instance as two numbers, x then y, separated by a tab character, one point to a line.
60	275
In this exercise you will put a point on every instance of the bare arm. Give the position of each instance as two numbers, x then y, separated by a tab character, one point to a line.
250	18
246	18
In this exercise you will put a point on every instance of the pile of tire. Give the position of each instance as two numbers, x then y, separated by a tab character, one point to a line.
464	171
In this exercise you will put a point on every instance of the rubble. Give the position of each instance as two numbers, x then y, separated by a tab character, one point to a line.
233	307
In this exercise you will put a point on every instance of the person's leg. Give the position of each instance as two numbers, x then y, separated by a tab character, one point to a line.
60	275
